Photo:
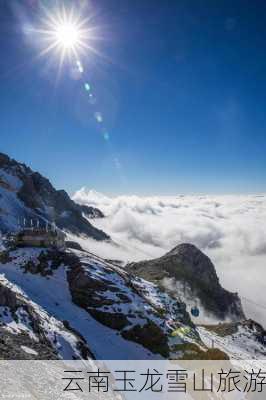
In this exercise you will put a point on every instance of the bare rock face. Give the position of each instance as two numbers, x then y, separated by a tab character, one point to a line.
33	196
91	212
188	266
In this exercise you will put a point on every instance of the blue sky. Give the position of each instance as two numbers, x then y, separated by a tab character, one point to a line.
180	85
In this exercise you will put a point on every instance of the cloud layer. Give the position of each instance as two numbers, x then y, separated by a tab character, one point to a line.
230	229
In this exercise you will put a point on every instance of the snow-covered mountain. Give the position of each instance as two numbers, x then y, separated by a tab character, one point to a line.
72	304
25	194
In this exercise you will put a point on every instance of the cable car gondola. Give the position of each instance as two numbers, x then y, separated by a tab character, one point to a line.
195	311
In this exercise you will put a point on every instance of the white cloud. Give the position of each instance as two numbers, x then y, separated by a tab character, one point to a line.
230	229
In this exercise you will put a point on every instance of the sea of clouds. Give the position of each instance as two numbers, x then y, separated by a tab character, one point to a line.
231	230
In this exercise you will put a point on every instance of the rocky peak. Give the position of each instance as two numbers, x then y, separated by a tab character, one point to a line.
191	274
194	262
4	159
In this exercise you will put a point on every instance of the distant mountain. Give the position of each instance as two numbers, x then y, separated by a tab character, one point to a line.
186	272
27	194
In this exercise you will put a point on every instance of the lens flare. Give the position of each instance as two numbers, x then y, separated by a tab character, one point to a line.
106	136
80	67
87	87
98	117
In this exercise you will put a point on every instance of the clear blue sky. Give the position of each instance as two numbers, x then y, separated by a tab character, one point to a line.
181	87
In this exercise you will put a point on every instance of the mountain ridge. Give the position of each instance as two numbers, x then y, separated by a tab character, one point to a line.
30	195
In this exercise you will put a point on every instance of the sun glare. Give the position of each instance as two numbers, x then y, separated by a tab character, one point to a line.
67	35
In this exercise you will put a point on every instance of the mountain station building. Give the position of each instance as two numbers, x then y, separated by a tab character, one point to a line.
32	237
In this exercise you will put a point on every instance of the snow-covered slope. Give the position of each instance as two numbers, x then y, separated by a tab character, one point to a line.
27	328
117	316
83	302
241	341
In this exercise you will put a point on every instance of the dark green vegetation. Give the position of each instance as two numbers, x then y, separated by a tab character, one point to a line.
150	336
191	351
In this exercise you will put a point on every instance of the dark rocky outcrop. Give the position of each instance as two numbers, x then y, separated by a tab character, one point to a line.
187	265
90	212
73	245
11	347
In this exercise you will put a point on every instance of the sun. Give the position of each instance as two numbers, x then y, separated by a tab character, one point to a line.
67	35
